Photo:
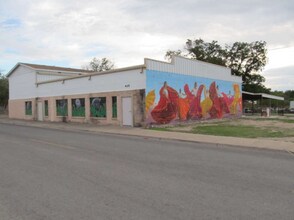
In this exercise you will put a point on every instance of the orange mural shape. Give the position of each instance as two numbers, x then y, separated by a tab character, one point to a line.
184	106
150	99
206	104
237	101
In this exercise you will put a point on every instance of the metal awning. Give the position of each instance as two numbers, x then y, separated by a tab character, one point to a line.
258	96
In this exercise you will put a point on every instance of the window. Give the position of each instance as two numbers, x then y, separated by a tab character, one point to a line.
61	107
114	107
28	108
98	107
78	107
46	108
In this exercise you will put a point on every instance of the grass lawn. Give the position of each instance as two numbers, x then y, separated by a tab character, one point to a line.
286	120
236	131
243	127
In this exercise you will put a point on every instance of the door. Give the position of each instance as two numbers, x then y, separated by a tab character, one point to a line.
127	111
40	111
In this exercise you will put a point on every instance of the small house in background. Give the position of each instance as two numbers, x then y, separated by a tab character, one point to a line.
152	93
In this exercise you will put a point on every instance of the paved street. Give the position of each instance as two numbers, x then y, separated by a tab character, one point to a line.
55	174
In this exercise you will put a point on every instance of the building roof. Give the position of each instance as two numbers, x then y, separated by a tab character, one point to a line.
45	67
38	67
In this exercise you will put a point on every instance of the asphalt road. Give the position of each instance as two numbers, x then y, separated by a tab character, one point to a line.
51	174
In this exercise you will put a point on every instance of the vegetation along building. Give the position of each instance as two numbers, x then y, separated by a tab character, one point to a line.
152	93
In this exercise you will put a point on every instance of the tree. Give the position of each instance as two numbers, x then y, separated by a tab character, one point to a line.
204	51
289	95
4	91
99	65
170	53
245	59
248	60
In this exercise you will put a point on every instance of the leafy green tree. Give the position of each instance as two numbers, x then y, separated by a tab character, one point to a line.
170	53
99	65
4	91
248	60
210	52
245	59
289	95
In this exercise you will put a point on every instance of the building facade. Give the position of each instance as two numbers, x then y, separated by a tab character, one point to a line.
152	93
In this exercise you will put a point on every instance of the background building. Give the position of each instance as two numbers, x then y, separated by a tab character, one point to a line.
154	92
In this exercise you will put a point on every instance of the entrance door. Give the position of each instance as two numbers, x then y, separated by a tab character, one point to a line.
127	111
40	111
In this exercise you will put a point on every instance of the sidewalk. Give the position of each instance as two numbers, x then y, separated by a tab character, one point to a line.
141	132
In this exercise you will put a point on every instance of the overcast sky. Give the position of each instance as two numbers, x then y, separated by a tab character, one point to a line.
70	33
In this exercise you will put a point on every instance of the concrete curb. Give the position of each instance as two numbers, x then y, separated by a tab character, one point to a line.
179	136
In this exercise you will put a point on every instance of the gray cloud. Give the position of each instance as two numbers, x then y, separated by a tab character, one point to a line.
280	78
129	30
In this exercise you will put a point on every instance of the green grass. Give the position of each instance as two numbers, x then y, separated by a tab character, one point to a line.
160	129
236	131
286	120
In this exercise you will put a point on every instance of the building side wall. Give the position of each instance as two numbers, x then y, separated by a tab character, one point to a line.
17	107
22	84
120	81
47	77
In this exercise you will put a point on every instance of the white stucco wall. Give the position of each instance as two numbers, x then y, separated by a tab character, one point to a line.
43	77
22	83
111	82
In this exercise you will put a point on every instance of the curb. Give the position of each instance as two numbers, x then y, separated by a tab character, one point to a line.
265	144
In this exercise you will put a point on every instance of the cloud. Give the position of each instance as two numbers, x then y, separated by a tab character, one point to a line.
280	78
280	57
73	32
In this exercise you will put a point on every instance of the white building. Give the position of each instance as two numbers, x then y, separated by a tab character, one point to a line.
127	96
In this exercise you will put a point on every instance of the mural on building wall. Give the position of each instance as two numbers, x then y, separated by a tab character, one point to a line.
61	107
28	108
78	107
46	106
178	98
98	107
114	107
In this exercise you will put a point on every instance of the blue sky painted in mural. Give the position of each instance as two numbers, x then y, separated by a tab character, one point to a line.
155	80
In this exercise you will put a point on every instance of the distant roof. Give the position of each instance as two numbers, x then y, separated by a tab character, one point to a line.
49	68
257	96
45	67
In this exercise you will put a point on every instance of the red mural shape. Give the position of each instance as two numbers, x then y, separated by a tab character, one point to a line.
167	108
219	104
195	110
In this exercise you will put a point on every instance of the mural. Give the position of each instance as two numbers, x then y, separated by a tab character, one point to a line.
173	98
61	107
78	107
28	108
98	107
114	107
46	108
